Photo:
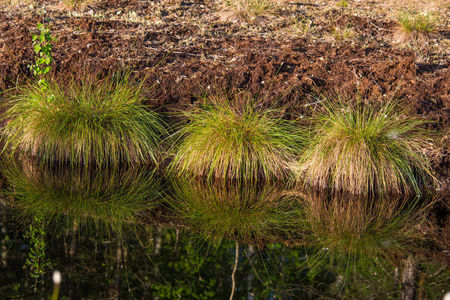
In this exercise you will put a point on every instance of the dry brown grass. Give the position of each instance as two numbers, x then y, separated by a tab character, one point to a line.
80	4
247	11
15	3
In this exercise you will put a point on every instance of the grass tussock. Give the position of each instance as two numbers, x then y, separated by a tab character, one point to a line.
12	3
367	149
250	212
342	33
92	122
224	140
301	27
99	199
80	4
248	10
415	27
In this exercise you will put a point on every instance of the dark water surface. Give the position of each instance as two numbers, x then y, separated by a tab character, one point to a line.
129	234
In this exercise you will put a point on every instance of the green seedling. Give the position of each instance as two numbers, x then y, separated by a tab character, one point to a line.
43	50
37	260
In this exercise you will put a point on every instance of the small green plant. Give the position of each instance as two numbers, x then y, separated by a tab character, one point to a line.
366	149
37	261
301	26
224	141
414	27
343	3
342	34
43	49
95	121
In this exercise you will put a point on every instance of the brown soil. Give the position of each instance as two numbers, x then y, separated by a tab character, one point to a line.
195	47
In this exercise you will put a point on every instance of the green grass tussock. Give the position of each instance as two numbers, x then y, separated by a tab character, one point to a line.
93	122
369	149
415	27
224	140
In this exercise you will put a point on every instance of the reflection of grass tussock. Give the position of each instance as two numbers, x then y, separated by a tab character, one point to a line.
365	150
362	230
99	198
96	121
224	141
250	212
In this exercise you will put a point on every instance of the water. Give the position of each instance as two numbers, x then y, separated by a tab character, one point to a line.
129	234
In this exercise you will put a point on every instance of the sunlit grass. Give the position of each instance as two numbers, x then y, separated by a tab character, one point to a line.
367	149
415	27
342	33
248	10
247	212
79	4
97	121
12	3
96	199
225	140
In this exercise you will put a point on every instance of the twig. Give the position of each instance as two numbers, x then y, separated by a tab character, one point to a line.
233	279
176	52
381	28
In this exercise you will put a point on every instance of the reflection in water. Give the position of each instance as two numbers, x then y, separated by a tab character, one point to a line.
359	237
251	212
95	198
104	201
358	227
369	244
